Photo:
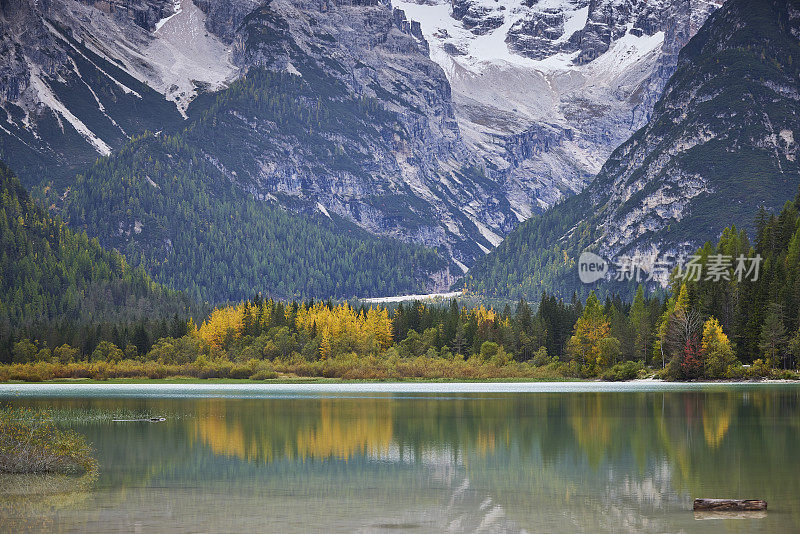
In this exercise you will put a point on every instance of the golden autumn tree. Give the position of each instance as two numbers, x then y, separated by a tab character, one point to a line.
377	330
222	325
591	328
325	346
341	329
716	350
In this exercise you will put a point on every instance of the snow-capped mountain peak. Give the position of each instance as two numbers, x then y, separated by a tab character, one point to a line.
546	35
544	90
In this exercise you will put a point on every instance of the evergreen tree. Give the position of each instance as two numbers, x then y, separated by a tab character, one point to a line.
773	336
641	325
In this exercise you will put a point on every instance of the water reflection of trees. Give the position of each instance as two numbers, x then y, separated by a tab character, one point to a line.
712	443
328	429
578	450
26	500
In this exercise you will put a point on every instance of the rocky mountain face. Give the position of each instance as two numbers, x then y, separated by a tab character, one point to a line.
442	124
80	77
720	143
545	90
721	140
407	174
224	17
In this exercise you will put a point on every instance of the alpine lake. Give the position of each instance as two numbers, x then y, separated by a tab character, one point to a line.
414	457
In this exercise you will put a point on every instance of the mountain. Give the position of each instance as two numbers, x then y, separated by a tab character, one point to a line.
165	204
78	78
371	136
720	143
545	90
530	120
53	274
81	78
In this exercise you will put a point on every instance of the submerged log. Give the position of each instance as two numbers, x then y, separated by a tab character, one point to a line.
729	505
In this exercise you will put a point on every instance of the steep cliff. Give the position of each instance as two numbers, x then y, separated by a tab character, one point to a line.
79	78
545	90
720	143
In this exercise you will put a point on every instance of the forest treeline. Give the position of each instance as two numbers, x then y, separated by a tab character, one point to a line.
261	338
56	283
722	328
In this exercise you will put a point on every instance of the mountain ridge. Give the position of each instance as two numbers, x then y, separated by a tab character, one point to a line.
719	144
423	161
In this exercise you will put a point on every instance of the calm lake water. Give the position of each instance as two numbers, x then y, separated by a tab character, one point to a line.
415	458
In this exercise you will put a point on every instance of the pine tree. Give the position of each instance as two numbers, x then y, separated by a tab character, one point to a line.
773	335
640	322
140	339
459	340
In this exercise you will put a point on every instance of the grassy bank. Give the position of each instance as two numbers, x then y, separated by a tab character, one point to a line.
292	369
339	369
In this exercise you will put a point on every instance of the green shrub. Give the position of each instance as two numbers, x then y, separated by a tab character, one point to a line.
541	358
239	372
264	375
735	372
66	354
107	352
758	369
784	374
718	362
24	351
489	349
623	371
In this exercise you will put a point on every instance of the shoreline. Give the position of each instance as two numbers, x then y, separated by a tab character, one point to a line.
407	381
385	391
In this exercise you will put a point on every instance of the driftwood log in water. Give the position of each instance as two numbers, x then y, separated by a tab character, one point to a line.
729	505
146	420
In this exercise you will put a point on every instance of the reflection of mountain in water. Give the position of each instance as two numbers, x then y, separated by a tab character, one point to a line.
543	462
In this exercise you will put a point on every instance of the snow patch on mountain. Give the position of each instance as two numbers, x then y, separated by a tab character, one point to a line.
624	54
455	47
544	91
323	210
574	21
459	51
188	56
47	98
177	8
